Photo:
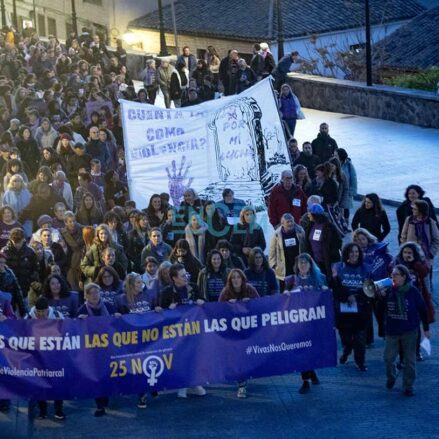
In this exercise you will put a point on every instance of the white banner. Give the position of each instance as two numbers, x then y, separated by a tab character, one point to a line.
236	141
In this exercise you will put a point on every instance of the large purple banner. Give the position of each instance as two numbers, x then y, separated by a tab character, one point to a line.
191	345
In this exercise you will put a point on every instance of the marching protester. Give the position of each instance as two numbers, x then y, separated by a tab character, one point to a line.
372	217
41	310
286	244
237	288
259	274
377	256
181	292
306	275
405	309
353	307
62	147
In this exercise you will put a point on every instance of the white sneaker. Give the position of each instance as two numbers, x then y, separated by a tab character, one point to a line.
242	392
198	391
182	393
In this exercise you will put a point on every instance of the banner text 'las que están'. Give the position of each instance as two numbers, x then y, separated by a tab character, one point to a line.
191	345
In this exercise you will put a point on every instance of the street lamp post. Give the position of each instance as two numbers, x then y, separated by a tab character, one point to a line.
163	50
74	18
14	13
280	31
368	46
3	12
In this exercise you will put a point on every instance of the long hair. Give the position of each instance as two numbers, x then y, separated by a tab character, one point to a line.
317	277
347	249
416	188
129	286
255	251
244	289
338	172
377	205
209	267
418	253
371	239
110	270
64	292
98	242
325	168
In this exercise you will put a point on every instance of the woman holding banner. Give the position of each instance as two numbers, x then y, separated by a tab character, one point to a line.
306	275
237	288
260	275
136	299
56	291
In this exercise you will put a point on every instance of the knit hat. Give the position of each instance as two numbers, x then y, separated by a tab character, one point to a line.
44	219
316	209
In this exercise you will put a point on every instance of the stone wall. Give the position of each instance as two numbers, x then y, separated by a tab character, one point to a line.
415	107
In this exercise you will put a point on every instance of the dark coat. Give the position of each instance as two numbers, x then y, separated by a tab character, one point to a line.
244	236
309	161
9	284
331	244
136	244
23	263
324	147
39	206
169	295
379	226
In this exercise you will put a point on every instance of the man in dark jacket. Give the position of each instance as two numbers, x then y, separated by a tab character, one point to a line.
308	159
286	197
228	72
42	203
324	145
21	259
187	58
80	160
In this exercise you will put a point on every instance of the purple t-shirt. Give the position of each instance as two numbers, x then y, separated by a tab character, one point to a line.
67	306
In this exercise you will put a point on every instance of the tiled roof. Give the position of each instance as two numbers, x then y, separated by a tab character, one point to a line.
414	45
249	19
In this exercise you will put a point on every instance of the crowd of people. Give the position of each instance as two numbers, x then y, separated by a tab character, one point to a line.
73	245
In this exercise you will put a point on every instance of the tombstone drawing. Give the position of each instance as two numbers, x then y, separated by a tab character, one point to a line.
239	144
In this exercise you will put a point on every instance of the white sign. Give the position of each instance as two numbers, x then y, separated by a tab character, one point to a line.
235	142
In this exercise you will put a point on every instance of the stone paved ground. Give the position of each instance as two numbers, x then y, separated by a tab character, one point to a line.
347	404
388	156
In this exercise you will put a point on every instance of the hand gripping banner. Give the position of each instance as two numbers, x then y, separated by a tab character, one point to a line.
191	345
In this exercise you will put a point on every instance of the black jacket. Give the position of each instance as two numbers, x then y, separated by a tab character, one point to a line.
379	226
23	263
309	161
169	295
324	147
331	244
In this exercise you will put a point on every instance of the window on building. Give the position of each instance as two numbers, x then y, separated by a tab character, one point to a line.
201	53
69	28
247	56
94	2
42	25
51	25
357	48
